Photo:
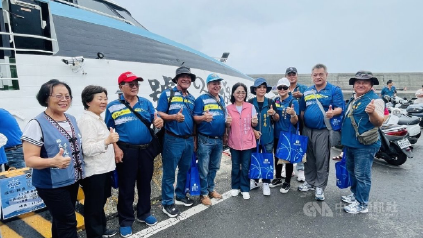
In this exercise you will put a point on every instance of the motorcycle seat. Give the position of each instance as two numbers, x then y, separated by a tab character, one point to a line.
405	120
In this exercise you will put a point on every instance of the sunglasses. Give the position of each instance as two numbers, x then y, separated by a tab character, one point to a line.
283	87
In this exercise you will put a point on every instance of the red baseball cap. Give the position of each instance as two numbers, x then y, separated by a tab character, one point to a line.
128	77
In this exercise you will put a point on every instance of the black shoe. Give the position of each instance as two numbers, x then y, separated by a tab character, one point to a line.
186	201
285	187
109	233
170	210
276	182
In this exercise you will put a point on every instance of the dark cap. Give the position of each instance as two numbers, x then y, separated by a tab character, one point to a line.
364	75
183	70
128	77
290	70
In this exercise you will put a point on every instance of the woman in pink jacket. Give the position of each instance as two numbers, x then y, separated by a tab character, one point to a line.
241	117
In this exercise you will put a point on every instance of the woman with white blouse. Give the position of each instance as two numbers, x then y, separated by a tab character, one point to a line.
97	147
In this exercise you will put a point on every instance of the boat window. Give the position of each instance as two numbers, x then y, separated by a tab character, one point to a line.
128	17
97	6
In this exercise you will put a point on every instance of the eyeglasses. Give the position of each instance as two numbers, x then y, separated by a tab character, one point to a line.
240	92
292	74
60	97
132	84
283	87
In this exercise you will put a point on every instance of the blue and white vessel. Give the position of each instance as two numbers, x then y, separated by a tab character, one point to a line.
85	42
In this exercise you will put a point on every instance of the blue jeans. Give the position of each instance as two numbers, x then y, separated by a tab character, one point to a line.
177	152
209	153
240	168
300	166
15	158
359	166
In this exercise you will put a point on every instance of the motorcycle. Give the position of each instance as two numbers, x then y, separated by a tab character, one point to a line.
417	111
411	122
395	146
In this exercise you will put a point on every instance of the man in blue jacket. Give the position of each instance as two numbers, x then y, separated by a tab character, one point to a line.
178	139
209	114
363	113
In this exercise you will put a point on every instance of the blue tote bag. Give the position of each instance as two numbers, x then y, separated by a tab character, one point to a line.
291	147
261	165
192	185
342	176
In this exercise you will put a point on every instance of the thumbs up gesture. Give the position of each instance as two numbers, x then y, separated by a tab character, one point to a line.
61	162
158	121
179	116
228	120
208	117
370	107
112	138
329	113
271	112
254	120
291	110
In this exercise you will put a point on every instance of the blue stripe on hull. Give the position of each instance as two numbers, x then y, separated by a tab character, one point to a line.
64	10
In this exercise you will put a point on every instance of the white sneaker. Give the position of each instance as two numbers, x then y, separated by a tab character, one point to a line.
234	192
301	177
253	184
245	195
266	189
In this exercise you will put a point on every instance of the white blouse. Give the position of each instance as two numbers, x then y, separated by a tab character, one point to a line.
98	157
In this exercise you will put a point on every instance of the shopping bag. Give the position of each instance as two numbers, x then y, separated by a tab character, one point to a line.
291	147
342	176
115	179
261	165
192	184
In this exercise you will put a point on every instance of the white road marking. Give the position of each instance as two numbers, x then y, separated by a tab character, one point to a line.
173	221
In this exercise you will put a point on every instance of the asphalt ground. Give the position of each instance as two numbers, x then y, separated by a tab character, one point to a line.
395	210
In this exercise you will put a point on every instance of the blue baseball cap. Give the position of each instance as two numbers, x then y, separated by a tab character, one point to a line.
213	77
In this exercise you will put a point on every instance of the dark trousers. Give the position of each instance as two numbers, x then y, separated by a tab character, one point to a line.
61	204
97	188
138	165
288	167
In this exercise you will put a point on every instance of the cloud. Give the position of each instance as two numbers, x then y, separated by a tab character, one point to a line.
268	36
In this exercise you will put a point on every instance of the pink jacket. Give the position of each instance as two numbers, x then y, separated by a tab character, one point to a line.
241	135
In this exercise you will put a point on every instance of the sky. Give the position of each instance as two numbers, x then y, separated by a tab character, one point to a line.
268	36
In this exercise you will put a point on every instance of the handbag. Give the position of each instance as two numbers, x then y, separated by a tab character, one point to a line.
192	184
342	176
115	179
155	145
261	165
334	135
291	147
366	138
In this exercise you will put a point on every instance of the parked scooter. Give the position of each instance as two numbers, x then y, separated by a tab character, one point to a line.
411	122
395	146
417	111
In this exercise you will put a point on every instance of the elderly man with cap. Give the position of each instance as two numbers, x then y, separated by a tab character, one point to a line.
364	114
321	111
134	160
176	107
297	90
264	131
209	114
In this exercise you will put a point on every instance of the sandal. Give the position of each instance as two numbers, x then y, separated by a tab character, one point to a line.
339	157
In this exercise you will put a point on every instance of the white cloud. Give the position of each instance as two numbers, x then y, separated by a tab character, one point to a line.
268	36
